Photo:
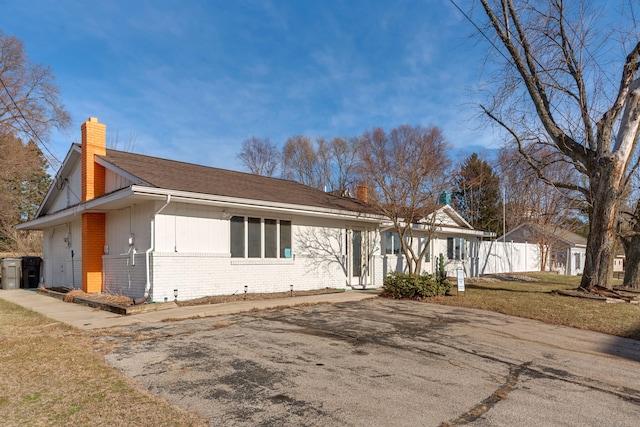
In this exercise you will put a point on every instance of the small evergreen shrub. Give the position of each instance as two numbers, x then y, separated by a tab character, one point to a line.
414	286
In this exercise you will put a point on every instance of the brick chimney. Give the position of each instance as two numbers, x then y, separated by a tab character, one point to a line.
362	193
94	143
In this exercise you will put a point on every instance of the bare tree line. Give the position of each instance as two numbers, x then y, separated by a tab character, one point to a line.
30	108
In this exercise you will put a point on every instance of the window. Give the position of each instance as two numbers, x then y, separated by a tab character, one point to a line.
270	238
392	243
255	238
456	248
264	238
237	237
285	239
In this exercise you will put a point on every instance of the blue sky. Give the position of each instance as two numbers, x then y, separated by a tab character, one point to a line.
190	80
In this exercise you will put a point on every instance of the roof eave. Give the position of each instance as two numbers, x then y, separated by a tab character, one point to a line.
235	202
64	215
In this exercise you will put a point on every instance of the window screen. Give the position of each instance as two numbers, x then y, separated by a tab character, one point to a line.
285	239
255	238
237	237
270	238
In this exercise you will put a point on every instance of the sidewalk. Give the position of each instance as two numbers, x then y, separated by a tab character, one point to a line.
89	318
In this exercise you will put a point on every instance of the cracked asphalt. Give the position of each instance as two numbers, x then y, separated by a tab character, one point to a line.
380	363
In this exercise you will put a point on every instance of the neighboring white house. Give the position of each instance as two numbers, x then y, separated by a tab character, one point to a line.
453	237
151	228
566	250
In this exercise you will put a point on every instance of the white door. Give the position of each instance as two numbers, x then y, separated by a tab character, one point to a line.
356	257
58	257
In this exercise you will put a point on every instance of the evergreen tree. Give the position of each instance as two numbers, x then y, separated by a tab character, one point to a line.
477	194
24	182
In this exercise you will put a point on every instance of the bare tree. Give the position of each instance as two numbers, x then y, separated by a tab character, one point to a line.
337	161
406	170
29	98
554	91
549	209
300	162
260	156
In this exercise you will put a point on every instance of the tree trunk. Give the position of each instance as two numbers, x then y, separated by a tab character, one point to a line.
632	263
598	266
631	247
544	255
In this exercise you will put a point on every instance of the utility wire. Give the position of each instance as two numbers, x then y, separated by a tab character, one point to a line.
481	31
510	60
34	134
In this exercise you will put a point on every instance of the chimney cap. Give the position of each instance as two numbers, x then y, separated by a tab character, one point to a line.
93	119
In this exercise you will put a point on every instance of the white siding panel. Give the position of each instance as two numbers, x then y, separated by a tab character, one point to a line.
133	221
192	229
72	191
114	181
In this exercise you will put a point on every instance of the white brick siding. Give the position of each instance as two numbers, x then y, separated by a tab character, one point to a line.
197	275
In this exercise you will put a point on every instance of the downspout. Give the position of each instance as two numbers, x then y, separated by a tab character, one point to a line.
147	253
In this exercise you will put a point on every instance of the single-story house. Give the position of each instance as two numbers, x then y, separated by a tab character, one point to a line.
566	249
152	228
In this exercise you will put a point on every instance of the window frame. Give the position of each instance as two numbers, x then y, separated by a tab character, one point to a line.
392	237
456	248
259	240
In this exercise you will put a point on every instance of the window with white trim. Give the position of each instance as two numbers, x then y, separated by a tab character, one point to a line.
252	237
392	243
456	248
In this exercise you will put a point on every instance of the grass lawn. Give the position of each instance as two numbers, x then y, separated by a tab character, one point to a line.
51	375
536	300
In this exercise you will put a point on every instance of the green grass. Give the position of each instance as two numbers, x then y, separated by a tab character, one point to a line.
537	300
51	375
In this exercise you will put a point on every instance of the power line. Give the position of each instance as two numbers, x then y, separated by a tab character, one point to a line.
33	133
481	31
510	60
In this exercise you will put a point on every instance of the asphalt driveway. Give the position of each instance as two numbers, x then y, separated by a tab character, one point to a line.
382	363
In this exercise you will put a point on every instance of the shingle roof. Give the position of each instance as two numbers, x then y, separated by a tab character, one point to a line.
564	235
180	176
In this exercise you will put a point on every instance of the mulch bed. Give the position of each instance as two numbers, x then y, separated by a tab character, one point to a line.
255	296
124	305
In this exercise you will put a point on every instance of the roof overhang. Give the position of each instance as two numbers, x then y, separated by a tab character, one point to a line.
138	193
252	204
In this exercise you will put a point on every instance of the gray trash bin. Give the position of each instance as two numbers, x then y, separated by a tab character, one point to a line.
11	273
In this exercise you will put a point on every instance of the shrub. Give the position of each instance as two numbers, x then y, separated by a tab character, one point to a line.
414	286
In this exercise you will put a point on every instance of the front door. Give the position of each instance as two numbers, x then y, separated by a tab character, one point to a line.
355	257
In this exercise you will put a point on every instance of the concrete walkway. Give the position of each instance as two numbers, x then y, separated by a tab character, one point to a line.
89	318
